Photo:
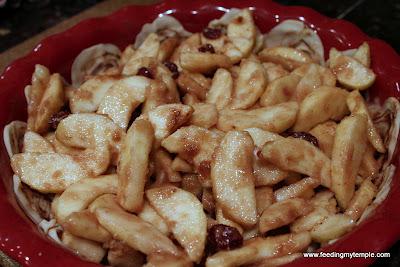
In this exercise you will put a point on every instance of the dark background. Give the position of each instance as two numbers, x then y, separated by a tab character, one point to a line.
21	19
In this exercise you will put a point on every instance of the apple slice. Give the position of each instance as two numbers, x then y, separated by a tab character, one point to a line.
232	178
283	213
330	100
309	221
221	89
334	226
87	130
97	134
300	156
357	105
261	137
34	142
266	173
280	90
325	134
361	200
45	97
133	166
297	189
34	92
85	225
194	144
274	71
79	195
264	198
363	54
350	72
89	250
150	215
88	96
135	232
149	48
313	77
167	118
275	119
204	62
241	31
159	94
249	85
190	44
51	102
347	153
261	249
204	115
289	58
47	172
163	171
236	257
123	98
193	83
184	213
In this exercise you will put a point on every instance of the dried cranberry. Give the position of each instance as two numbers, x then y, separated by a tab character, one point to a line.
207	48
212	33
175	75
173	68
143	71
56	118
224	237
305	136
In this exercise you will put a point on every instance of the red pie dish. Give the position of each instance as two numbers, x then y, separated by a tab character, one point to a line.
21	239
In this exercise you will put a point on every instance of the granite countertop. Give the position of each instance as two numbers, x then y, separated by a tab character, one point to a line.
19	23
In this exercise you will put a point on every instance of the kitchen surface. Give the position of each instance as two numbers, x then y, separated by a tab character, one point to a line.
23	23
